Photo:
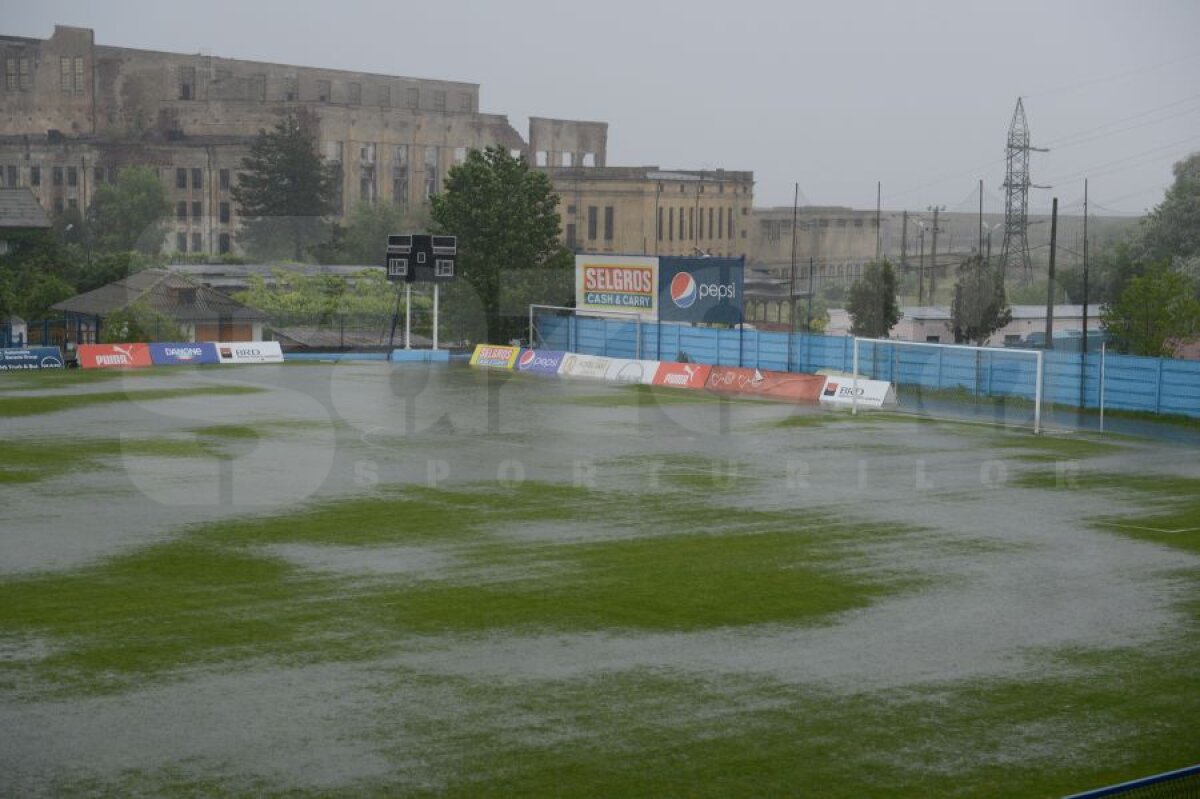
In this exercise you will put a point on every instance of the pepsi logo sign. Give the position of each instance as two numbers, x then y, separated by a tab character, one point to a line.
684	290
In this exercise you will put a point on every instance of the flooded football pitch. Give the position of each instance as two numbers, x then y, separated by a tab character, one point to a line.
360	579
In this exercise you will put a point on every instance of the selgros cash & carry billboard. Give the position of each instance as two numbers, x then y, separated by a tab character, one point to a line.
624	283
701	290
495	356
22	358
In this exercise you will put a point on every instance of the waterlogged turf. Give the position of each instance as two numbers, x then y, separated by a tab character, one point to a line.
366	580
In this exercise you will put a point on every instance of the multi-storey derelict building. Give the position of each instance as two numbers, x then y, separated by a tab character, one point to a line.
74	113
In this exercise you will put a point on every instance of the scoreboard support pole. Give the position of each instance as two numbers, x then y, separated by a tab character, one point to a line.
435	315
408	316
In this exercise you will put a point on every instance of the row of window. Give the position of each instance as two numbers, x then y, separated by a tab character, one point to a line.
224	242
197	209
10	176
323	91
720	188
695	224
18	76
774	228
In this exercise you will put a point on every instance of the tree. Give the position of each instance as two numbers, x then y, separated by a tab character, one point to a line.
318	299
284	192
364	236
872	305
1156	310
980	307
128	215
139	322
509	254
1172	229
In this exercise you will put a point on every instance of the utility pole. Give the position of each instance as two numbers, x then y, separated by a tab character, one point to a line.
921	270
904	242
933	258
808	317
792	290
1050	280
878	215
981	216
1085	266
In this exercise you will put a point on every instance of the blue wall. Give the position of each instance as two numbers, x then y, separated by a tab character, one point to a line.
1157	385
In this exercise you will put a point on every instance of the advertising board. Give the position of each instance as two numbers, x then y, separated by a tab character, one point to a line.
540	362
114	356
22	358
183	353
871	393
765	383
700	290
495	356
625	283
591	366
682	375
624	370
249	352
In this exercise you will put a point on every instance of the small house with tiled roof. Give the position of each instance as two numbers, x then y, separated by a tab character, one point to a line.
202	313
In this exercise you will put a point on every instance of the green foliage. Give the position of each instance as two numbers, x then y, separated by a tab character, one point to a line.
980	307
1172	229
284	192
819	319
318	299
872	304
128	215
505	217
1155	310
139	323
362	239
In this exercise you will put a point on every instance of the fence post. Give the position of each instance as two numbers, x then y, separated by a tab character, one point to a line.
1158	387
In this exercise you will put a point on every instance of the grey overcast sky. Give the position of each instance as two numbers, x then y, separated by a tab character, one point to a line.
832	95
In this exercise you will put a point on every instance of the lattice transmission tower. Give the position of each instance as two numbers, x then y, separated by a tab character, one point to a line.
1016	195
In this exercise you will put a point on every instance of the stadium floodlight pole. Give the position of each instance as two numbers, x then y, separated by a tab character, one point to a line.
1103	358
435	315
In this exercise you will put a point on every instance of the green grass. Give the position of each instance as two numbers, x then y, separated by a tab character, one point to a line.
217	595
32	406
638	395
1051	448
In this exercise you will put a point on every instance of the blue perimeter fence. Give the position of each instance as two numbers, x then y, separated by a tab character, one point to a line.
1132	383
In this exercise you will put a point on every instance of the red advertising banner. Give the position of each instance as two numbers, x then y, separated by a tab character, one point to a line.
682	375
764	383
110	356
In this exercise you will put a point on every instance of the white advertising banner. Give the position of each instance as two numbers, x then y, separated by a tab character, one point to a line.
593	366
249	352
622	370
842	391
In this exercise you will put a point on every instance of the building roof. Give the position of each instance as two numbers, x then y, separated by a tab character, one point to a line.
20	209
171	294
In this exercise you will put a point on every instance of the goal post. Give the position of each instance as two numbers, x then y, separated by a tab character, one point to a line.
956	380
617	333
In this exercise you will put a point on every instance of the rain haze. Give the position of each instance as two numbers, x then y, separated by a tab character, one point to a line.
836	97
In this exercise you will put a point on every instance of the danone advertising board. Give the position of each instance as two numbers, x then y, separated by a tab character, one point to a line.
700	290
495	356
249	352
22	358
183	353
624	283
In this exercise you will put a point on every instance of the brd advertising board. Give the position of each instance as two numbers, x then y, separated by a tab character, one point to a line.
701	290
624	283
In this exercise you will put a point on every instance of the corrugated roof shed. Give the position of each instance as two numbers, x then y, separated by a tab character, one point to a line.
171	294
20	209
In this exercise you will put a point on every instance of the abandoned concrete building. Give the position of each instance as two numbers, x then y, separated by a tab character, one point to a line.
73	113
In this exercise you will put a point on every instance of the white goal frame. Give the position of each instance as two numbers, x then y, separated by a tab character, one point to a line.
632	316
1037	386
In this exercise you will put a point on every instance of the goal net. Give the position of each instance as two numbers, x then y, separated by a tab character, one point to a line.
615	334
998	385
